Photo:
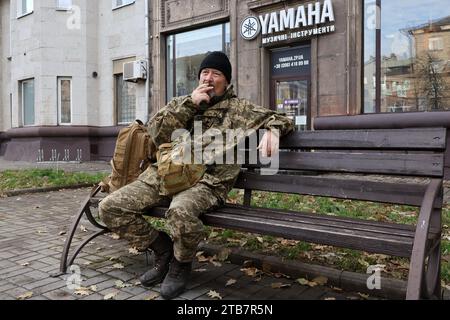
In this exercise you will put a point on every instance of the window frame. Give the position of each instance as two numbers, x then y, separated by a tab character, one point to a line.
22	101
115	6
60	102
19	9
171	66
61	8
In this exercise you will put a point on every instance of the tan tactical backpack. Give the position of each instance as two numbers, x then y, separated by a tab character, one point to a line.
131	157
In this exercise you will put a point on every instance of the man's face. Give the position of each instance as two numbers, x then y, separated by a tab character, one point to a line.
214	78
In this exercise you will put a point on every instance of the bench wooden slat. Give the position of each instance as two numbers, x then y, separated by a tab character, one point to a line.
370	236
413	164
404	139
342	188
320	219
315	234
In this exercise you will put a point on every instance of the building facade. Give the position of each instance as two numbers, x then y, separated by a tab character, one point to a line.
63	95
308	59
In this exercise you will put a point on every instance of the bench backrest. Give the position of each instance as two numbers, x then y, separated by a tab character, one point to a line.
386	152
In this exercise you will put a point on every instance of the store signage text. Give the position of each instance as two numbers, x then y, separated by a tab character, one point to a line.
284	24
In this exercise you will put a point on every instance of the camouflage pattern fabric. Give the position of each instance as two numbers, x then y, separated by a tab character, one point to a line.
229	112
122	210
122	213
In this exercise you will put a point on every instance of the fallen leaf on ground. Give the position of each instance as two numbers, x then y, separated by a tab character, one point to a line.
152	297
25	264
260	239
223	254
120	284
202	258
251	272
200	253
216	264
230	282
214	295
26	295
93	288
134	251
308	283
247	263
364	296
111	295
82	292
118	266
320	280
213	234
83	228
363	263
114	236
61	233
279	285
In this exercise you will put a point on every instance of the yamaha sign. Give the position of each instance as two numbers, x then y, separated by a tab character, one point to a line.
299	22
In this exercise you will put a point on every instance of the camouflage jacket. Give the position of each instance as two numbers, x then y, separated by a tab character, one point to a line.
229	112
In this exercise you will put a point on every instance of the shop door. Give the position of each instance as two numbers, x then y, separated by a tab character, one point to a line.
291	84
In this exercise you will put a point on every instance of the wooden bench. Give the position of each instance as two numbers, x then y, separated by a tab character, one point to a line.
408	153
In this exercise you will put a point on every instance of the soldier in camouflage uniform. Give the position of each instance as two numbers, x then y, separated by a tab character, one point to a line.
121	211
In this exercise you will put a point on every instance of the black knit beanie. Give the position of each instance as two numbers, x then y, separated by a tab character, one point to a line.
219	61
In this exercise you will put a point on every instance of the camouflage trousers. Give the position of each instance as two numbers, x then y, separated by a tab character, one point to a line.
122	211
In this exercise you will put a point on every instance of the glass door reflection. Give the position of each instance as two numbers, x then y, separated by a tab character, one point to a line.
292	99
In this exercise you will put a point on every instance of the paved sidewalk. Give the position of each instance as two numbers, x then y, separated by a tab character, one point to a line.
32	235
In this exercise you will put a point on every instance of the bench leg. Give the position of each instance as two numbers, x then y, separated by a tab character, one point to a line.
84	210
432	287
424	272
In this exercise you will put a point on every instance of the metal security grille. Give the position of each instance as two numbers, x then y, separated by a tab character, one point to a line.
126	100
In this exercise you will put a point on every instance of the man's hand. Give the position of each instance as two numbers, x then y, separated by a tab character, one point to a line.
270	143
201	94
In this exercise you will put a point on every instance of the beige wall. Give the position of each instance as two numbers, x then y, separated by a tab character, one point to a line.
49	43
4	65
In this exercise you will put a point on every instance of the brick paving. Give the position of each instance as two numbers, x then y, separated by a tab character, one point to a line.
32	234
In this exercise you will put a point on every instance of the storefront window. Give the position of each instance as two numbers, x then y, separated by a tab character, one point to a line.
185	52
406	55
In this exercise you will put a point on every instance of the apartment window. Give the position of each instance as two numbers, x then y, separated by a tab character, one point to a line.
121	3
65	100
406	56
63	4
24	7
27	102
435	44
125	100
185	52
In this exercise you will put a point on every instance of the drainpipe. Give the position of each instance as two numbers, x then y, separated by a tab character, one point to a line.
148	59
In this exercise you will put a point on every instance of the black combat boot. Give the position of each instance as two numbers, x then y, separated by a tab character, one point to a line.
163	250
176	280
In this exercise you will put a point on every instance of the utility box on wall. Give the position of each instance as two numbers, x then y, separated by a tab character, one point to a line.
135	70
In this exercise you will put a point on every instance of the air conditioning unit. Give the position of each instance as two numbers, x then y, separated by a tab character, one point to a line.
135	70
